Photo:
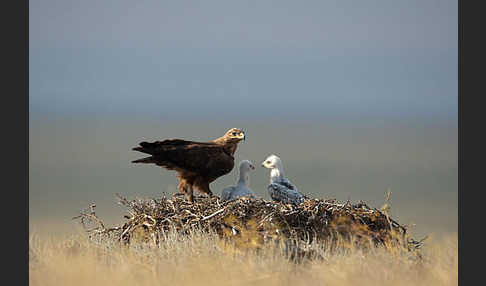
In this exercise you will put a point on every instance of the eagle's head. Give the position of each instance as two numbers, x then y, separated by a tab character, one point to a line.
246	166
272	162
234	135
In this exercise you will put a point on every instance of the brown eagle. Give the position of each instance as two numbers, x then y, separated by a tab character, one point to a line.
197	163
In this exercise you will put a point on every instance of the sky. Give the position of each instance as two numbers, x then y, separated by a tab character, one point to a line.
241	59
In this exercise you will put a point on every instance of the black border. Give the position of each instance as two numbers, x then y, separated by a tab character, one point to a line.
471	143
15	141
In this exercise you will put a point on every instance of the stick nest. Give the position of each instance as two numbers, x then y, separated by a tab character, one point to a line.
254	221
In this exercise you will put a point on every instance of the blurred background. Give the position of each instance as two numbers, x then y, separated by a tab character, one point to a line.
356	97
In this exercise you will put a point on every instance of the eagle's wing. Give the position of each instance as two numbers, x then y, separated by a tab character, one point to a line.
234	192
156	147
242	192
208	159
226	193
282	193
288	184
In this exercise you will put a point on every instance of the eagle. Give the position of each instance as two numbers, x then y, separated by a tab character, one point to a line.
197	163
242	188
280	188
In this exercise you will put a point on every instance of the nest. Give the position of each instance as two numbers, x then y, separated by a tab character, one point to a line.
254	221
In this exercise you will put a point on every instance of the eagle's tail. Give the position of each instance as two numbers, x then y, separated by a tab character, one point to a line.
146	147
146	160
158	152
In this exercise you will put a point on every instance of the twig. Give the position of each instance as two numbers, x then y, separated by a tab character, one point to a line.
214	214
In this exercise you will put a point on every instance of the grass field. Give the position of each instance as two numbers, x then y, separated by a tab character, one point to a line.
203	259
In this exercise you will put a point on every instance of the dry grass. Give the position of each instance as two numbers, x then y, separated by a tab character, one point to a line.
204	259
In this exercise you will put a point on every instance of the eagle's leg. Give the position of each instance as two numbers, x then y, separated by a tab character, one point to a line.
186	189
182	186
189	194
203	186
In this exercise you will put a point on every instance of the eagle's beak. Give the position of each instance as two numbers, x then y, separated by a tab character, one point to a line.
242	135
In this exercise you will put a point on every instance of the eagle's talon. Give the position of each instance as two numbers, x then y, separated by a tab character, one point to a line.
189	198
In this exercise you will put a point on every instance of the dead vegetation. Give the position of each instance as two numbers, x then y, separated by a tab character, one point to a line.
199	258
171	242
248	223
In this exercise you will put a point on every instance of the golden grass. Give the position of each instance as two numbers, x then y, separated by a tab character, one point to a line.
203	259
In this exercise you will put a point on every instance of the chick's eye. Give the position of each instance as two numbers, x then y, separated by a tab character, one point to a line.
267	162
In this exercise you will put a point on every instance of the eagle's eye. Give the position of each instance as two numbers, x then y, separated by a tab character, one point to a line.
234	133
